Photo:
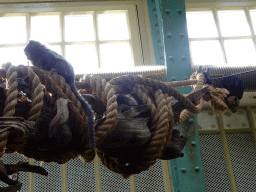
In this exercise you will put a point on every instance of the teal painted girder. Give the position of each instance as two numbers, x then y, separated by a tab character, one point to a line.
155	17
176	41
189	169
187	172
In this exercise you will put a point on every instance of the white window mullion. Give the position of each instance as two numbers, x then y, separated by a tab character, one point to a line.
216	18
28	29
97	41
135	39
248	17
62	33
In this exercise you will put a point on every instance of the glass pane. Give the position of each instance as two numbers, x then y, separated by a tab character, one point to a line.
206	53
113	26
233	23
201	24
240	52
13	30
45	28
82	57
13	54
116	56
79	28
253	16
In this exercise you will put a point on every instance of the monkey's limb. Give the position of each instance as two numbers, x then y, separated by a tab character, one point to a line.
90	117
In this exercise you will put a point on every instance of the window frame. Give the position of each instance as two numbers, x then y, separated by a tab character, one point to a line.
223	6
141	41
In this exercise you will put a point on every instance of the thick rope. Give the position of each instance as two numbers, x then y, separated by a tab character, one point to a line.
200	83
170	117
176	84
76	110
37	96
141	93
154	149
12	92
129	81
107	94
10	102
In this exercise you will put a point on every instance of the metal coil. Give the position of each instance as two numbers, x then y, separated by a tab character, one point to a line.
159	73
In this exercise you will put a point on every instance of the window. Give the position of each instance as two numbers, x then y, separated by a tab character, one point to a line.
222	35
90	36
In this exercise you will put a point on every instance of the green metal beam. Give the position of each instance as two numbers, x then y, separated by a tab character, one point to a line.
187	172
155	17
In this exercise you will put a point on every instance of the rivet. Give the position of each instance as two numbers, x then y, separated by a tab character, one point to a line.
197	169
153	9
175	168
183	58
183	170
193	143
167	11
156	24
161	57
171	58
173	79
182	35
191	120
169	35
185	78
158	40
179	11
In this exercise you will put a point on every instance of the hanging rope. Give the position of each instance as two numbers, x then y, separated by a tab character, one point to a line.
155	94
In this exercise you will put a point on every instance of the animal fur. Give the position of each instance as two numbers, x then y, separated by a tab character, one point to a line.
48	60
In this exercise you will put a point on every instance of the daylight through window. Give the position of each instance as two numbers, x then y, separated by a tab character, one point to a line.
220	37
89	40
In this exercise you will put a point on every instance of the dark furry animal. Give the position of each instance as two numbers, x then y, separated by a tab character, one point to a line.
49	60
174	147
235	87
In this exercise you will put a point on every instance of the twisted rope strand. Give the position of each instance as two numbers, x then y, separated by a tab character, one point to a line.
37	96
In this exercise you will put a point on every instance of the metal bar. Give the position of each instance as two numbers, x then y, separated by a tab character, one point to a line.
97	174
64	177
167	176
187	172
31	177
251	123
226	153
132	183
247	72
154	18
174	175
218	38
176	42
